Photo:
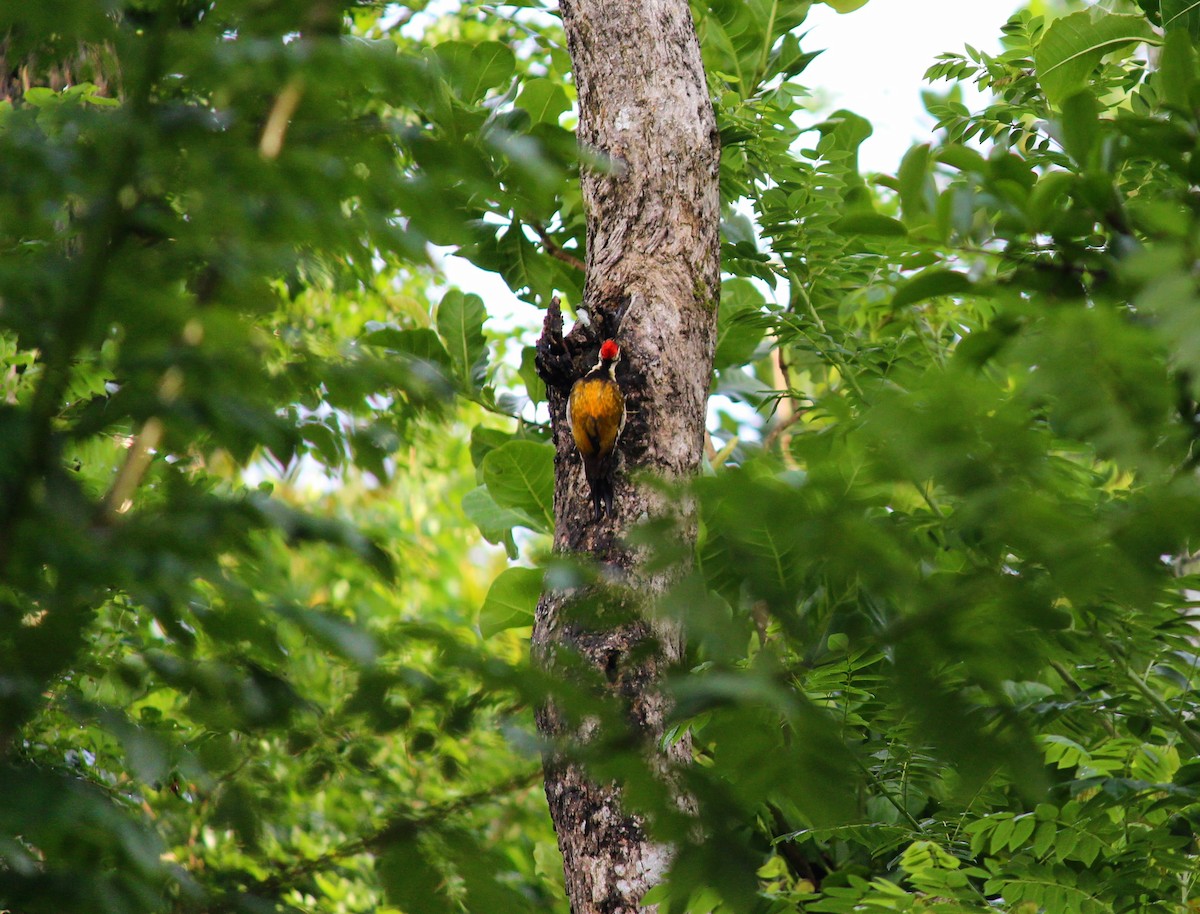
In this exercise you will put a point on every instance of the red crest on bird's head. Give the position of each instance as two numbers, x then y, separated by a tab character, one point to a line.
609	350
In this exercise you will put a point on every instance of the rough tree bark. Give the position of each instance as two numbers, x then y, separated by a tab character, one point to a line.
652	253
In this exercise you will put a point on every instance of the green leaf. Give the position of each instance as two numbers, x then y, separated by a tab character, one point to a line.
335	632
914	184
1074	45
1023	828
520	475
460	324
41	97
421	343
759	550
1001	833
925	855
327	443
411	879
1081	127
146	753
535	387
738	227
739	327
843	132
869	223
544	99
494	522
522	264
931	283
238	809
1181	16
483	871
788	59
845	6
1049	198
1177	67
473	69
1188	774
656	894
1044	837
485	440
962	158
511	600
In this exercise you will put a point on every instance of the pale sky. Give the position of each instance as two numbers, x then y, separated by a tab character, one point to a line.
875	58
873	64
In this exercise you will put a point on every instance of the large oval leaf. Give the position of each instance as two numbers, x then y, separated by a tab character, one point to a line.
544	99
460	324
1075	44
494	521
1181	15
510	600
471	69
520	475
421	343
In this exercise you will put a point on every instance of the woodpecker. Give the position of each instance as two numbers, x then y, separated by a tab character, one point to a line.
596	415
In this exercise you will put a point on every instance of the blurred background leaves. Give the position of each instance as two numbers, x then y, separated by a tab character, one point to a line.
264	472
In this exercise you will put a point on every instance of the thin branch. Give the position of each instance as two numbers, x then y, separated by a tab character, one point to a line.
782	426
1181	727
133	469
271	143
396	828
1065	675
553	249
890	797
792	413
843	368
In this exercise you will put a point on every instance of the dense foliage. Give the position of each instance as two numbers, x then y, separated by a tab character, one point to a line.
218	693
254	656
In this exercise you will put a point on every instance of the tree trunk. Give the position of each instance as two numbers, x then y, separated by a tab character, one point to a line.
653	283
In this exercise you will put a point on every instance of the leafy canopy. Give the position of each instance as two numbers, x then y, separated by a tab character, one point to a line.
253	656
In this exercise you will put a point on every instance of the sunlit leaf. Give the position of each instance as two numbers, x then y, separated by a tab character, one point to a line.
510	600
460	324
